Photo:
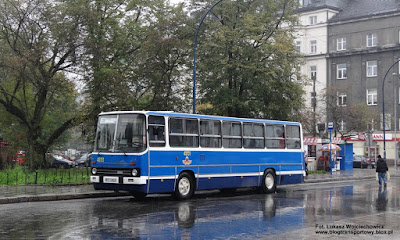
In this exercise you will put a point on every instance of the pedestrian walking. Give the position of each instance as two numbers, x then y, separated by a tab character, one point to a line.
381	169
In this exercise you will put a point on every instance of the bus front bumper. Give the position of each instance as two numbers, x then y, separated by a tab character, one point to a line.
118	180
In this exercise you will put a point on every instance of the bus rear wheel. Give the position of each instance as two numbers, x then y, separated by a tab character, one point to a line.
268	182
184	188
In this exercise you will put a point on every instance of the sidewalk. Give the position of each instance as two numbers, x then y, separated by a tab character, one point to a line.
342	175
32	193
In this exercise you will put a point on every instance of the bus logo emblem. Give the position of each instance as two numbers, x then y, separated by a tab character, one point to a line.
187	161
186	153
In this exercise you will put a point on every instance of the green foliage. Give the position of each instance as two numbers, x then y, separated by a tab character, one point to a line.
136	50
37	43
246	60
137	55
22	176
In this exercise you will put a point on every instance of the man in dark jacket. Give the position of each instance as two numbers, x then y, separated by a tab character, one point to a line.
381	169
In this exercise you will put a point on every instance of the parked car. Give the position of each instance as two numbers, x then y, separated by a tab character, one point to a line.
360	161
371	162
59	161
83	161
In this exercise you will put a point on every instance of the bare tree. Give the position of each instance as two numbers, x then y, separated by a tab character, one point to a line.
38	41
349	118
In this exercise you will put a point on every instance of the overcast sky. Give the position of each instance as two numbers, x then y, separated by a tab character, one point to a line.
176	1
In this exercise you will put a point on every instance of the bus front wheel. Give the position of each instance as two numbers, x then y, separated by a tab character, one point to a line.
184	188
268	182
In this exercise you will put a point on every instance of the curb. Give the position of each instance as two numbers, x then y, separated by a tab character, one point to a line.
70	196
343	179
337	179
58	197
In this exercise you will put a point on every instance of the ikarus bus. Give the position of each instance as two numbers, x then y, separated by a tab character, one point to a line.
146	152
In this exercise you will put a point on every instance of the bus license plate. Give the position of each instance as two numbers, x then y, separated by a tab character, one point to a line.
110	179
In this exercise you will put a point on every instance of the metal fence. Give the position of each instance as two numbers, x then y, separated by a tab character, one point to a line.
23	176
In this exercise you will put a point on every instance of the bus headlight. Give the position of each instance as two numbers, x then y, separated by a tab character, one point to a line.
94	171
135	172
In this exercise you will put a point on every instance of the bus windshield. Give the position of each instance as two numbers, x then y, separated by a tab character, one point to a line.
121	133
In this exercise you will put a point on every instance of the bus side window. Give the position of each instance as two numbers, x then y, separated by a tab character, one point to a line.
275	136
253	135
210	134
156	131
293	137
184	132
232	135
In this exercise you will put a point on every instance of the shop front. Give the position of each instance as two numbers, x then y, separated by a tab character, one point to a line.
372	145
317	158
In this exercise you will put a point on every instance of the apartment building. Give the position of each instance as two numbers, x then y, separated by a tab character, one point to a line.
350	46
363	47
312	42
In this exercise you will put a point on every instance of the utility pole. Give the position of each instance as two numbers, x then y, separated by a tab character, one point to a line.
314	98
395	119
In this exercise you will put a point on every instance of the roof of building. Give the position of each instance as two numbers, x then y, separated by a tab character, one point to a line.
355	9
312	5
352	9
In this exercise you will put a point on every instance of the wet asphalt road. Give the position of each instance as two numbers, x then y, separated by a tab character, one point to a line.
343	210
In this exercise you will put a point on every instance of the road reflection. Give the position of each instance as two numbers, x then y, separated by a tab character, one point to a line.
244	215
381	201
211	218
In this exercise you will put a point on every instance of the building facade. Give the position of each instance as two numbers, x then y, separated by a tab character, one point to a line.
362	43
311	41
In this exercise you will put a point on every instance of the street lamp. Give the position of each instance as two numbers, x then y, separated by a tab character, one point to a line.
383	109
194	55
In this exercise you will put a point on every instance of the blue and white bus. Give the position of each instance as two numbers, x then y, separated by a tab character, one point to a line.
146	152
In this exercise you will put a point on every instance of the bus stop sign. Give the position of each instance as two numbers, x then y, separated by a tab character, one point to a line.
330	125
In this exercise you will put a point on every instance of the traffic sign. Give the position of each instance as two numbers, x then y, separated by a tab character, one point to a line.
330	125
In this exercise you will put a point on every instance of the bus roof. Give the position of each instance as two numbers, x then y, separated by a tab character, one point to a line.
188	115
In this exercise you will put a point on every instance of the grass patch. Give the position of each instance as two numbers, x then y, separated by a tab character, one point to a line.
317	172
22	176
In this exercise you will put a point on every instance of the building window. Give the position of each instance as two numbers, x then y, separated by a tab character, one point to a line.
342	126
341	71
371	40
298	46
388	121
399	97
399	36
313	72
313	44
372	68
341	44
372	97
312	20
342	99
